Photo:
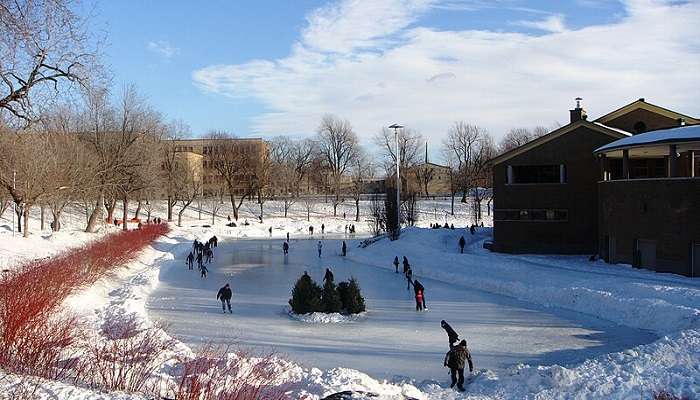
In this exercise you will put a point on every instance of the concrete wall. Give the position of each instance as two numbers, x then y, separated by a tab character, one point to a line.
663	210
578	235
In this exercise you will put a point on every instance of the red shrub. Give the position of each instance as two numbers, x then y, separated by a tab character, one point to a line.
30	332
216	375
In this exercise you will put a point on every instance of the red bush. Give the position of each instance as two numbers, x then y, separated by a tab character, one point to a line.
30	333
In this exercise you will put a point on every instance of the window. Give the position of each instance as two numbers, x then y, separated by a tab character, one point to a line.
518	174
640	127
532	215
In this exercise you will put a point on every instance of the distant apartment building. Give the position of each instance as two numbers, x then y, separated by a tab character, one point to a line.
254	150
550	195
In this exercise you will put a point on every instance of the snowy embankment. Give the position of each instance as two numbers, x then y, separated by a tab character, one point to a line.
666	304
325	318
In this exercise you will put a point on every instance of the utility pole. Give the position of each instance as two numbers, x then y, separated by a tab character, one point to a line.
14	204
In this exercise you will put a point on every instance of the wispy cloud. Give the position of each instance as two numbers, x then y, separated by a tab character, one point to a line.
163	48
553	23
372	62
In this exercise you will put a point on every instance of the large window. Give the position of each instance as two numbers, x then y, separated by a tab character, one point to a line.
531	215
518	174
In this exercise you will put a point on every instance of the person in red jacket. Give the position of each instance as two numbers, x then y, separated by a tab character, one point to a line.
419	300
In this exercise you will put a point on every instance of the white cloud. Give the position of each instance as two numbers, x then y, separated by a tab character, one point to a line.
163	48
372	63
553	23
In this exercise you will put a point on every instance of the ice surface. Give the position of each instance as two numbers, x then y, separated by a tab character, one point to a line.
392	339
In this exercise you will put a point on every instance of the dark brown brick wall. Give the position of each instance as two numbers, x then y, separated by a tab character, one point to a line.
664	210
578	235
652	120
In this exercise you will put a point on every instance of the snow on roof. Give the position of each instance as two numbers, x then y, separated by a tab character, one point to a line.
613	129
674	135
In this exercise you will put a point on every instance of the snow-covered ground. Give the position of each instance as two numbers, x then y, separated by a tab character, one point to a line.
590	320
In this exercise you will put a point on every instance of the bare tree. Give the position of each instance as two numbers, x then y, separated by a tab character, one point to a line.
44	51
424	175
362	171
176	131
189	187
471	148
410	145
234	164
338	147
290	163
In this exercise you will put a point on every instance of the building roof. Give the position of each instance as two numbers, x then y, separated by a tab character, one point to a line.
642	104
598	127
681	134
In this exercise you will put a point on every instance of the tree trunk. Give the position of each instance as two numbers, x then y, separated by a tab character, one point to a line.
110	209
179	216
19	212
27	207
357	210
286	207
170	208
125	213
43	218
56	221
138	210
233	203
453	204
95	216
5	204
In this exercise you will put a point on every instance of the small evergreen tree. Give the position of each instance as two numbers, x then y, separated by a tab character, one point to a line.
355	303
343	293
306	296
330	298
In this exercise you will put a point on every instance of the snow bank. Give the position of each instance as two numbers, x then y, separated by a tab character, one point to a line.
326	318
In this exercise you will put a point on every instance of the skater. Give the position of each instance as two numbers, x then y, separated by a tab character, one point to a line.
406	265
270	230
452	336
419	300
215	240
396	264
418	288
323	229
462	242
199	260
225	296
409	275
204	271
452	226
455	360
345	248
328	276
472	229
208	253
190	261
311	230
320	247
287	236
343	214
285	247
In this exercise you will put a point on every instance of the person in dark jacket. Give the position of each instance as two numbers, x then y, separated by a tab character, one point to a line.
452	336
190	260
323	228
311	230
462	242
270	230
396	264
472	229
215	240
345	248
409	276
288	236
199	260
225	296
418	287
328	276
455	360
406	265
204	271
285	248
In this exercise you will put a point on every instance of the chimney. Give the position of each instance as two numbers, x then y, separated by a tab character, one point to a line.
681	121
577	113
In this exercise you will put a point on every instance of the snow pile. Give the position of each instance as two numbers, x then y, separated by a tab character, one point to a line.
326	318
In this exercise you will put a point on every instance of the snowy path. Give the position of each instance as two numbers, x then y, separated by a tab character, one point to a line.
392	339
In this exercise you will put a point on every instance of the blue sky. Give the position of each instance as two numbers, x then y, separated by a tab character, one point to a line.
266	68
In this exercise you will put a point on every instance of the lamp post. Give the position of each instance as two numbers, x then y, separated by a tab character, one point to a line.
396	128
14	205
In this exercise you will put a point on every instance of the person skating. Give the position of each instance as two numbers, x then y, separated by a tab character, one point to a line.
462	242
270	230
406	265
311	230
472	229
190	261
209	254
452	336
418	287
204	271
285	248
323	229
287	236
419	300
320	247
409	276
344	249
396	264
215	240
328	277
199	260
225	296
455	359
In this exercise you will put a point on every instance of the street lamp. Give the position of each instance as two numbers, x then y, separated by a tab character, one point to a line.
396	128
